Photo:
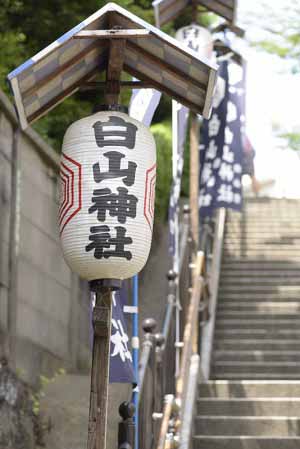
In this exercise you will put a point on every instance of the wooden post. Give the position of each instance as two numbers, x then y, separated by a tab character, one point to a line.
194	179
103	308
100	370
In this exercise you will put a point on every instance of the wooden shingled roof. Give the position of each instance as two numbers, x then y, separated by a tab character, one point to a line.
64	66
166	10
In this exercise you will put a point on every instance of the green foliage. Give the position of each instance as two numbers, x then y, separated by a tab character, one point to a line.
274	48
293	140
281	27
162	133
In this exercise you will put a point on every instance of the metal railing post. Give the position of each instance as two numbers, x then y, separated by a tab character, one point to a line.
126	436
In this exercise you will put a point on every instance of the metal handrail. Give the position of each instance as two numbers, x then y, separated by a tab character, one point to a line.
166	423
190	329
180	422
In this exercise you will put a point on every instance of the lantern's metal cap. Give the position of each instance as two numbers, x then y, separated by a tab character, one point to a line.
111	107
98	284
71	61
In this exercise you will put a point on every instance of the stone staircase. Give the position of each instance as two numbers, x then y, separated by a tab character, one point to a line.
253	399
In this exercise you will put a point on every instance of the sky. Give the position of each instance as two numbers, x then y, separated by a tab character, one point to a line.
273	94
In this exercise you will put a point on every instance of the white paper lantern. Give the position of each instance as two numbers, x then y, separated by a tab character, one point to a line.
197	38
108	174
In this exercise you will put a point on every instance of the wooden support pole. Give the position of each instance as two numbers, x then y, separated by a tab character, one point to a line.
100	370
195	11
194	179
103	309
114	70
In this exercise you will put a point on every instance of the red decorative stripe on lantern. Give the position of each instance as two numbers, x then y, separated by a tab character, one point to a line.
75	174
65	178
152	195
149	195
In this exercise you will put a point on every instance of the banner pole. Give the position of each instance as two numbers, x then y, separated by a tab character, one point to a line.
194	178
135	354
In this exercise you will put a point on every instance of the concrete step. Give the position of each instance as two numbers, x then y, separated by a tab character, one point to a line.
270	307
239	389
260	322
264	247
259	280
264	225
254	344
248	265
260	296
255	376
261	368
231	309
256	317
261	239
279	426
257	356
259	288
264	254
248	406
259	273
260	333
245	442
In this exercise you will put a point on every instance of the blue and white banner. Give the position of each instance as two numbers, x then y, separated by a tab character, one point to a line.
143	105
121	368
221	147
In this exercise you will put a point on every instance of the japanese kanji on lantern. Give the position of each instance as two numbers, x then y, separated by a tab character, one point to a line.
197	38
108	173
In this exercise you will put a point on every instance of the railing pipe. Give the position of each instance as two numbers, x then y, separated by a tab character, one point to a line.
188	410
149	326
209	328
167	413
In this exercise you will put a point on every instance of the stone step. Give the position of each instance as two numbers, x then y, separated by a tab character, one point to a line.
254	344
260	288
258	238
279	239
250	367
269	307
279	426
260	296
249	242
254	220
257	356
245	442
249	406
261	273
260	333
255	376
249	265
257	308
256	316
260	323
251	389
263	253
259	280
247	245
243	225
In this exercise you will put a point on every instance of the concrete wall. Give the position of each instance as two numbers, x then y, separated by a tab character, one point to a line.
42	304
